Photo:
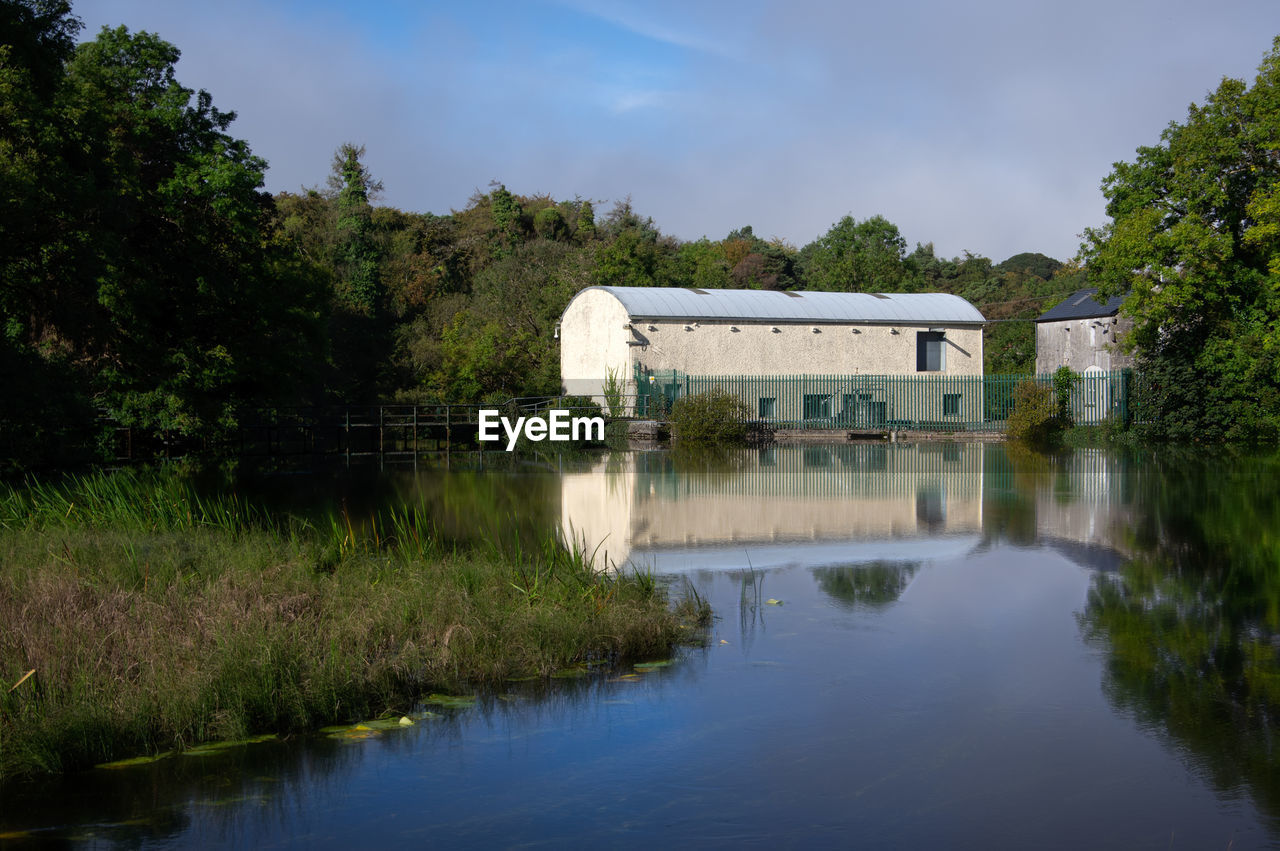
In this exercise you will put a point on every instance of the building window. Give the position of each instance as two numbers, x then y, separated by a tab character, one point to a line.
817	407
951	404
768	406
929	351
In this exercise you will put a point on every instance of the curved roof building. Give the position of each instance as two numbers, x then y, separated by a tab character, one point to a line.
773	306
625	331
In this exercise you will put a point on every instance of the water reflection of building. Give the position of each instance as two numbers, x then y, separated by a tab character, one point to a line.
637	505
1084	509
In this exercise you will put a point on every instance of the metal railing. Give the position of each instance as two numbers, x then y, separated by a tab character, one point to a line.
886	402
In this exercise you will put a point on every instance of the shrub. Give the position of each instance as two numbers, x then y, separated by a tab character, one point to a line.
613	393
1064	381
716	416
1034	419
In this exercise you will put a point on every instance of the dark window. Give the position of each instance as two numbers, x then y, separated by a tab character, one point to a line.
951	404
817	407
929	351
768	406
931	508
814	456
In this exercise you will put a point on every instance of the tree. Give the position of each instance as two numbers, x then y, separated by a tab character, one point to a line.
854	256
1194	237
138	256
358	285
507	212
633	252
183	305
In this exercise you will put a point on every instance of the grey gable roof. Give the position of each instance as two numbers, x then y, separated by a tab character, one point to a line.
1081	304
769	305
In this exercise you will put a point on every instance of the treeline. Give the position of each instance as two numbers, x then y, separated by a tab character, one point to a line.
146	275
1194	239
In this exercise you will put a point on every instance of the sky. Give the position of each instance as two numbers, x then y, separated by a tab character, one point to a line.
985	127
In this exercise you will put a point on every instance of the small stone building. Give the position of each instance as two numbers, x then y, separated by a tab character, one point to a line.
614	330
1081	332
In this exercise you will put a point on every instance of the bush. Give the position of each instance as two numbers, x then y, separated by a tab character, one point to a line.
1035	418
1064	381
714	417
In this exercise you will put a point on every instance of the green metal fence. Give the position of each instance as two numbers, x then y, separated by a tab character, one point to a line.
884	402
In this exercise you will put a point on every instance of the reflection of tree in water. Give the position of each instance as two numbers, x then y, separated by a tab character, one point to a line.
1010	483
871	585
1192	626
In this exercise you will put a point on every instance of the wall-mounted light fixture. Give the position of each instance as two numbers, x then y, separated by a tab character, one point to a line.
626	326
893	330
856	331
775	330
688	327
733	328
653	327
555	335
817	330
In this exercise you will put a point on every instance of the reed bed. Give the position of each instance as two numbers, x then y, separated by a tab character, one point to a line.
153	618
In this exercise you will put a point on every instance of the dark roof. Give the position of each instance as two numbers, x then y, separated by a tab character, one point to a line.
1081	304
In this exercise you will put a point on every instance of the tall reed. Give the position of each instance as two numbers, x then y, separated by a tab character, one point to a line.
155	617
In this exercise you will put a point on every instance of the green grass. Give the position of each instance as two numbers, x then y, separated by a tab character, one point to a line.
154	619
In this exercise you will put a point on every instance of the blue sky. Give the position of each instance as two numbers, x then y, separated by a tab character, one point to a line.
984	127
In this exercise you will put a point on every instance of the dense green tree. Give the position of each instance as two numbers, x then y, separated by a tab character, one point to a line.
39	248
548	223
507	213
586	228
358	286
703	264
1032	263
1195	237
142	255
503	341
633	252
360	336
855	256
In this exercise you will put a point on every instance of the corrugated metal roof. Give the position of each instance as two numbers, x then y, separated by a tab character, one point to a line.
1081	304
768	305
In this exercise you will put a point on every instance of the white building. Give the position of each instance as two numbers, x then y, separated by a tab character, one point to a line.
1080	332
612	330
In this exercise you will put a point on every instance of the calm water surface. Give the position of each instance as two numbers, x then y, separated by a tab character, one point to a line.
916	646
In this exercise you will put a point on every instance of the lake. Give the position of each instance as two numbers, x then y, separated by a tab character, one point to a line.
936	645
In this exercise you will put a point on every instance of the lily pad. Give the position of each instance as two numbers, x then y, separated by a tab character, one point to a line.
570	673
649	666
449	701
354	734
137	760
219	747
772	602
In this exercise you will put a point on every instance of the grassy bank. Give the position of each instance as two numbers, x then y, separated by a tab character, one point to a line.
153	619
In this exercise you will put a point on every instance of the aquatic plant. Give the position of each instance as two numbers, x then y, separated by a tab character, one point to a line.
157	619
